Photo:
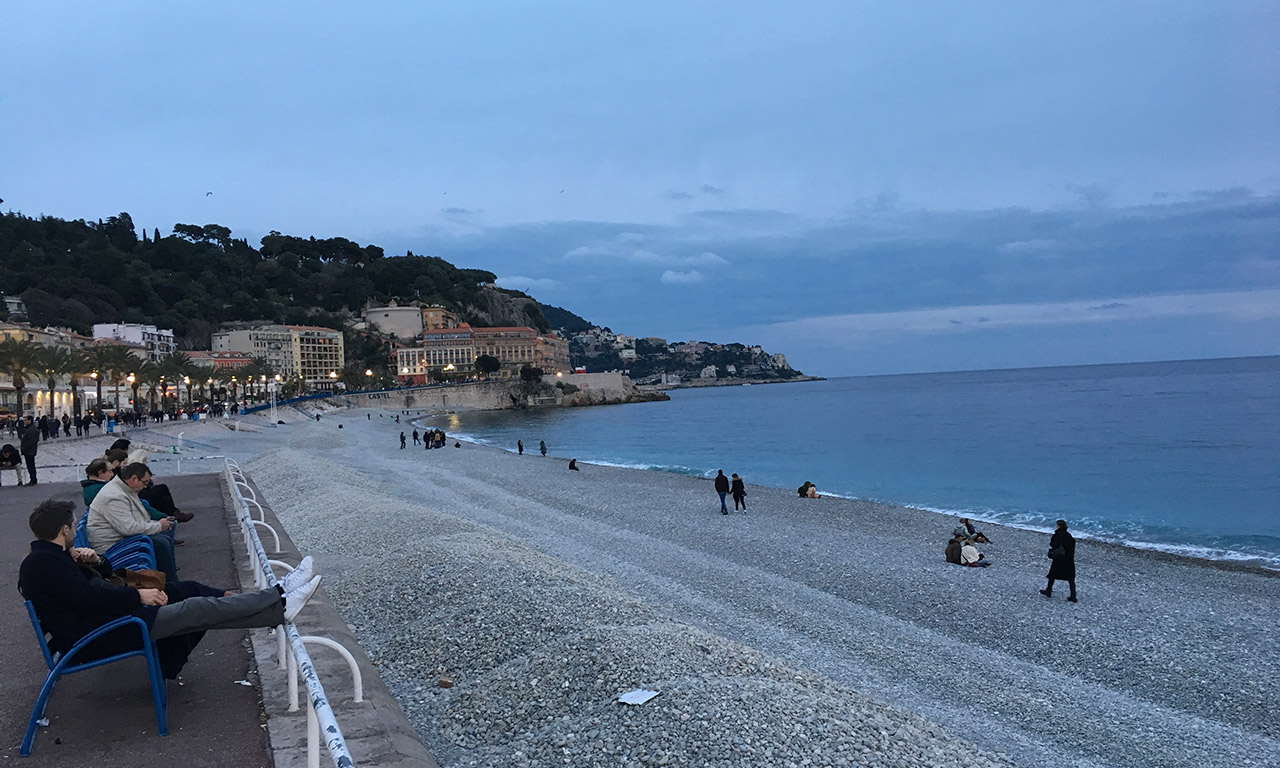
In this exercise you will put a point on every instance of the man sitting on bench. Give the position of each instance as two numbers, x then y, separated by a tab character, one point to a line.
117	513
72	598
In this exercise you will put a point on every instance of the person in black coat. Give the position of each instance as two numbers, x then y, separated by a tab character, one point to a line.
72	597
1064	565
738	490
29	440
722	488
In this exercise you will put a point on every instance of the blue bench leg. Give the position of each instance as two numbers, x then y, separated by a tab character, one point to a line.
37	712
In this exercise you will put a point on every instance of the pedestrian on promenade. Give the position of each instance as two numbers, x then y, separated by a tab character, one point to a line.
738	490
722	488
29	443
542	446
402	441
66	425
415	437
520	447
1062	553
11	459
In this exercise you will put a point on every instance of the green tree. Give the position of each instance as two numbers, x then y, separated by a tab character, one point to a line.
21	360
487	364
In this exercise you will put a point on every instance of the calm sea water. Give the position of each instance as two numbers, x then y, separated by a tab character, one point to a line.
1183	456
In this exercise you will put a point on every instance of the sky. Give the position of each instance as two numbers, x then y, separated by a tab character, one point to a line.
866	187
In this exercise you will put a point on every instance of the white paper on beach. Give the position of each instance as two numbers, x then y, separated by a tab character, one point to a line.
638	696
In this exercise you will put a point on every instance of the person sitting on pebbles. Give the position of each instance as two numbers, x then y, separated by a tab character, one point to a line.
953	549
966	530
969	556
808	491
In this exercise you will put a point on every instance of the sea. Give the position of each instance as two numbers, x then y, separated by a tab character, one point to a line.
1176	456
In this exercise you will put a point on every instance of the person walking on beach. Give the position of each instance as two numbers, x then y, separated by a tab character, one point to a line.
402	441
542	446
520	447
1062	551
739	492
722	488
415	437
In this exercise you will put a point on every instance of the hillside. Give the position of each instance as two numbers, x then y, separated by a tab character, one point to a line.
77	273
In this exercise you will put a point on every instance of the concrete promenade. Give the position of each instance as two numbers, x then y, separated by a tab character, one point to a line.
104	717
215	719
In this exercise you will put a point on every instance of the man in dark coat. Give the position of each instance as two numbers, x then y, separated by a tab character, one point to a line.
722	488
29	437
1063	566
71	601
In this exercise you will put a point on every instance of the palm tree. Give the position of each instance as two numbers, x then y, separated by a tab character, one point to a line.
152	375
55	363
79	367
20	359
98	364
120	363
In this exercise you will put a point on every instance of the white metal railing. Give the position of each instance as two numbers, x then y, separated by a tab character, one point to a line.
319	714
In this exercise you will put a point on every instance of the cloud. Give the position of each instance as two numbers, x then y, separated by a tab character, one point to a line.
1035	245
707	259
1092	195
458	212
1235	305
707	189
671	277
528	284
621	252
671	195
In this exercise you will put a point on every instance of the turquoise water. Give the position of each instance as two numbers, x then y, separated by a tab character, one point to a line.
1183	456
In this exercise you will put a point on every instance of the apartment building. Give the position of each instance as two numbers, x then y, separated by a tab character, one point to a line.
293	351
460	347
157	341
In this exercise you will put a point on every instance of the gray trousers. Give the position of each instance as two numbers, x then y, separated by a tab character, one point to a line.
196	614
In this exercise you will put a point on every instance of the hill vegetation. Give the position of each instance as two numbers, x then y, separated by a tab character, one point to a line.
77	273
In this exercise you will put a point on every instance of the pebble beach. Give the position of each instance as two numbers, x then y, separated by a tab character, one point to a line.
821	632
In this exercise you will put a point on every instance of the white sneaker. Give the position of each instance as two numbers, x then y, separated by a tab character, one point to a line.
298	576
296	600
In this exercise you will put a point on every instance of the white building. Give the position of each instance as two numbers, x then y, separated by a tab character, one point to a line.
708	373
158	341
395	321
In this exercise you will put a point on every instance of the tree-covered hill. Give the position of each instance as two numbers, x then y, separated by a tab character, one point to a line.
76	273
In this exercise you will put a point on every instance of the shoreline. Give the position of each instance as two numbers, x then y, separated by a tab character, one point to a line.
852	591
1234	561
544	593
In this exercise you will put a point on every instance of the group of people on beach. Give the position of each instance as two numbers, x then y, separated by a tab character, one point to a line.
961	550
735	487
542	446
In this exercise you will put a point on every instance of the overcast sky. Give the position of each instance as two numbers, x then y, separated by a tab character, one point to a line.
865	187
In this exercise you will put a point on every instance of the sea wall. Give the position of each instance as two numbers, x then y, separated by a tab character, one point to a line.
578	389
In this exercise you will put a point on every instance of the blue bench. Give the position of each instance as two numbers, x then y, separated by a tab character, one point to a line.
62	665
131	553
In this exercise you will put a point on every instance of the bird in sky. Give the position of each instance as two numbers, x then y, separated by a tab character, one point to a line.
206	194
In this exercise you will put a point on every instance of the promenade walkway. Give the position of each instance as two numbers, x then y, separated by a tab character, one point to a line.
214	720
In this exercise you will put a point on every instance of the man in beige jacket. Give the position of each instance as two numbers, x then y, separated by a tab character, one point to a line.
117	512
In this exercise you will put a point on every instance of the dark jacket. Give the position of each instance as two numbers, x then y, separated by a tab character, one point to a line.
722	483
1063	567
953	552
71	604
739	489
72	601
29	437
9	457
89	490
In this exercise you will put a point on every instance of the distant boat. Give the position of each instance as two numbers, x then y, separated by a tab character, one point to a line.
746	384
